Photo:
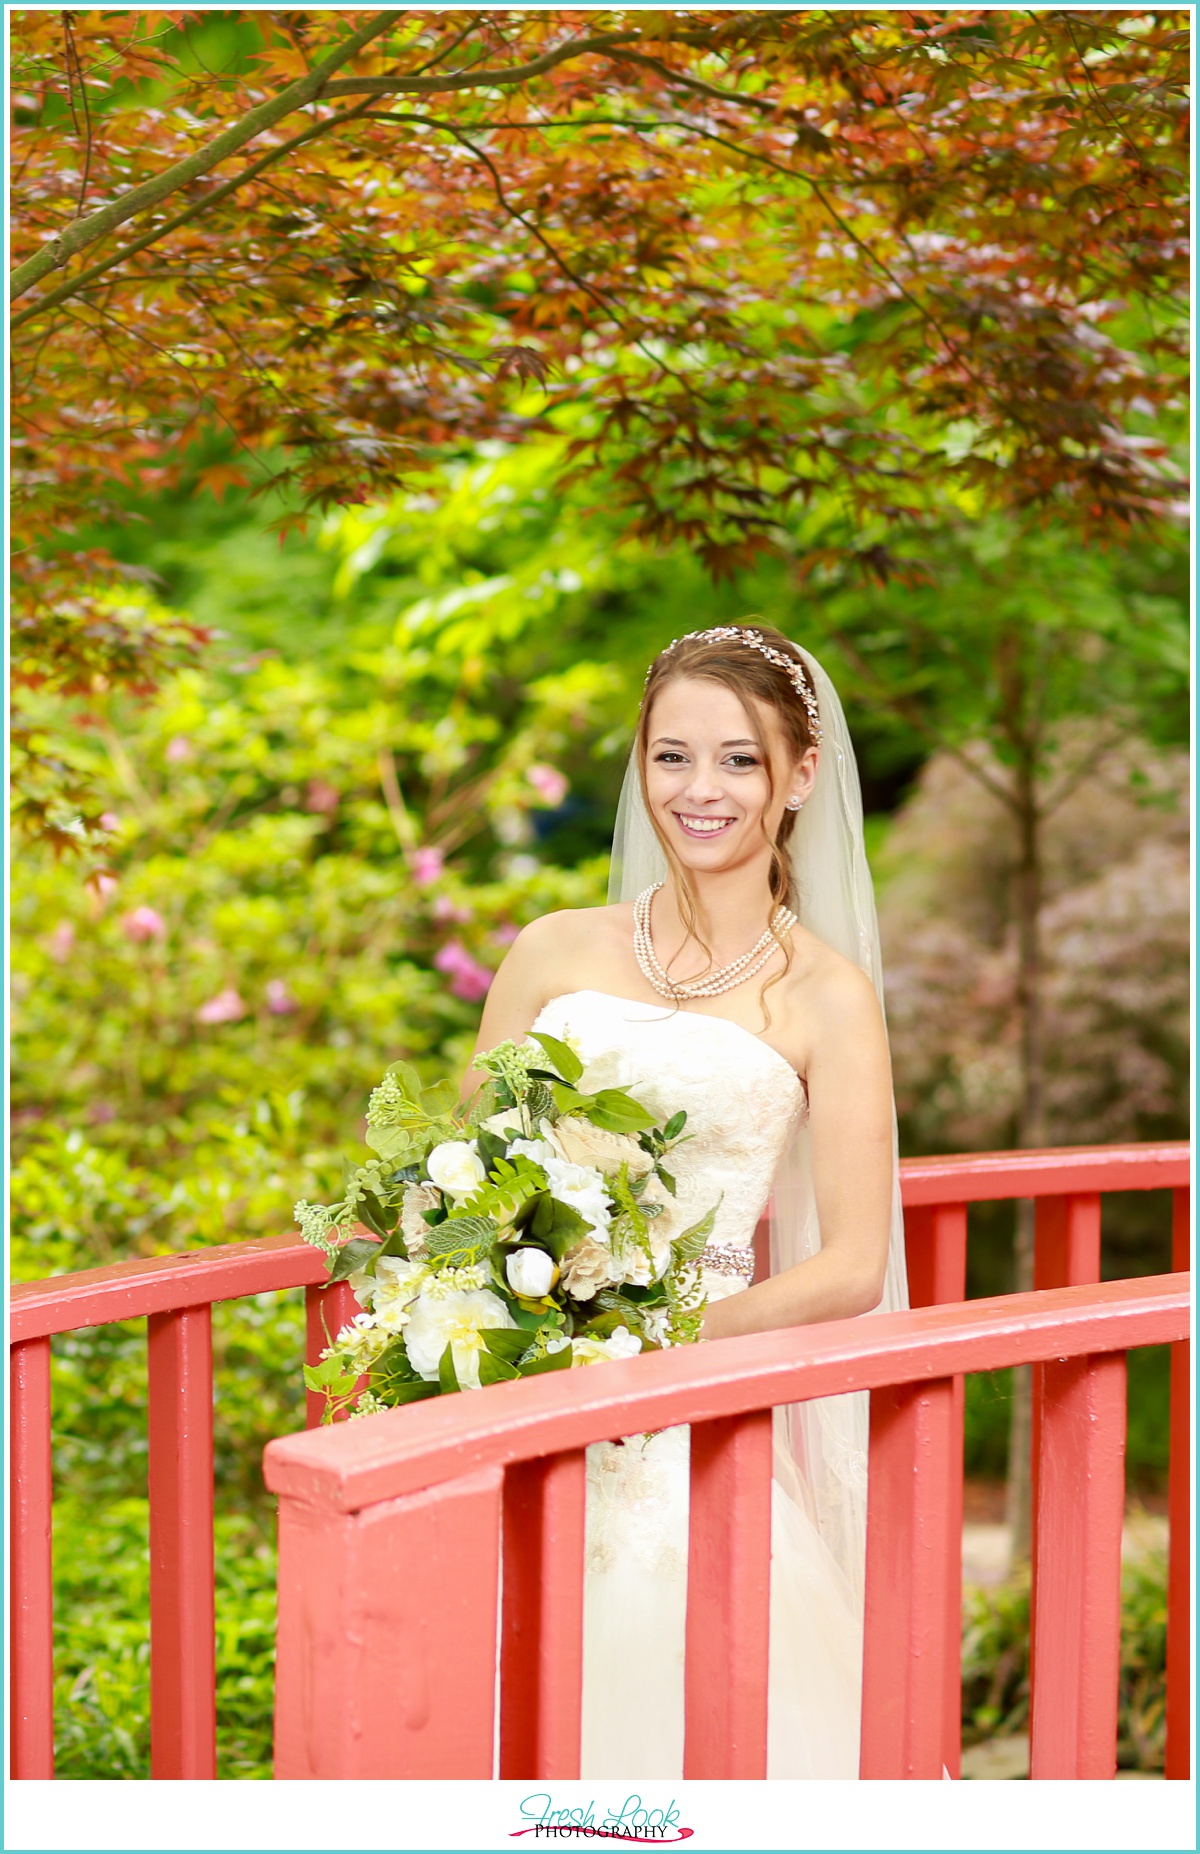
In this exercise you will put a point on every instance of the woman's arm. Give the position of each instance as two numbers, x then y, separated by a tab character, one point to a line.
527	979
850	1108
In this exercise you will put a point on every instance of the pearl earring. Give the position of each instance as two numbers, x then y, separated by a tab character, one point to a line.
795	804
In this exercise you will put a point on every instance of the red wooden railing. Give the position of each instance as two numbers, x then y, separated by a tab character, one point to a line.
543	1496
376	1681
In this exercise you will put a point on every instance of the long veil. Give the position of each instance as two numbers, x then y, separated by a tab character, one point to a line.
820	1446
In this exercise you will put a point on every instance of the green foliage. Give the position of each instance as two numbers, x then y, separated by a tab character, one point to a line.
996	1662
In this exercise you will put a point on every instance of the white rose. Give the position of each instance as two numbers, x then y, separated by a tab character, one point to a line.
620	1344
397	1285
583	1188
457	1320
531	1273
456	1167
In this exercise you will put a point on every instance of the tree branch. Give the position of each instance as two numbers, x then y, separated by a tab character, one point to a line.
99	224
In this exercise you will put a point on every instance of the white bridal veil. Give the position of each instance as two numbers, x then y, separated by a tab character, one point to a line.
821	1447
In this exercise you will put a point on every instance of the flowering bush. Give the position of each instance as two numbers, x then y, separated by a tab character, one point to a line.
538	1231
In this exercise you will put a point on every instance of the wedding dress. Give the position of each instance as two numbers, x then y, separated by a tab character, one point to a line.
748	1112
744	1102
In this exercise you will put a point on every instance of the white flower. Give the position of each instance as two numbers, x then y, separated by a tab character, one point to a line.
360	1343
588	1268
456	1167
417	1199
539	1150
656	1320
508	1121
580	1143
590	1351
530	1273
397	1285
362	1286
457	1320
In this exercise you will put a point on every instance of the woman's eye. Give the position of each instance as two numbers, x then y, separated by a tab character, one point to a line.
741	760
668	759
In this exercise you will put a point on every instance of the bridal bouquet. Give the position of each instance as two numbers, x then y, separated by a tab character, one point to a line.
538	1231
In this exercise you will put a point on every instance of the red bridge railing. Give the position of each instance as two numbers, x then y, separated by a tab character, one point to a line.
175	1294
375	1681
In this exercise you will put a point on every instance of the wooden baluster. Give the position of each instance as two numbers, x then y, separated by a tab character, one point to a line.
31	1695
386	1648
1179	1499
1076	1640
541	1653
905	1648
183	1674
935	1239
728	1598
326	1310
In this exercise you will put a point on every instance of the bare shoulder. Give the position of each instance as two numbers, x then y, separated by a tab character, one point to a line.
832	992
566	930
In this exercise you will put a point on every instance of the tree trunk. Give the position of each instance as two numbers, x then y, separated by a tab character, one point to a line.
1031	1123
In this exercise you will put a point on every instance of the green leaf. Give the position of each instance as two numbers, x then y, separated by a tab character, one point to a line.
675	1125
406	1076
462	1241
492	1146
502	1342
618	1112
352	1256
447	1376
550	1361
569	1100
494	1370
371	1212
564	1059
408	1390
688	1246
392	1143
668	1178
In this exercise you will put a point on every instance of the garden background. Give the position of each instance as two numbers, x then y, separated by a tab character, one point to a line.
306	735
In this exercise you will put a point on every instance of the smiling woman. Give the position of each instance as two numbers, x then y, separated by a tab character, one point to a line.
733	895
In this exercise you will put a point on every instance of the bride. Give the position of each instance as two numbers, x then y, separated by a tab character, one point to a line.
736	973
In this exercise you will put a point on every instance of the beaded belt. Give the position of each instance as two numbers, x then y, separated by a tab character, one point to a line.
728	1258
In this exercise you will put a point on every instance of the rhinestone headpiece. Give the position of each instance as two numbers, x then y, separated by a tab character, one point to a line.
753	640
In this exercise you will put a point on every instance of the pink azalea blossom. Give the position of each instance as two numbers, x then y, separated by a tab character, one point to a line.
143	924
427	866
279	999
446	910
109	820
102	886
226	1008
179	748
505	934
548	783
468	979
62	942
321	797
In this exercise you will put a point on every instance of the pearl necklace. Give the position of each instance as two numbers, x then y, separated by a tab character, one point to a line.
725	978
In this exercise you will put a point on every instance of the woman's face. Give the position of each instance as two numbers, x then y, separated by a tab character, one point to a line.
706	784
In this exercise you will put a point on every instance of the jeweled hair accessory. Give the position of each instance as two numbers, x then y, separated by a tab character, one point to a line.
741	634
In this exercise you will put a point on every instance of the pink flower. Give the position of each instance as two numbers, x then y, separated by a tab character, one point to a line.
143	924
279	999
427	866
62	940
468	979
226	1008
179	748
446	910
109	820
548	783
101	886
505	934
321	797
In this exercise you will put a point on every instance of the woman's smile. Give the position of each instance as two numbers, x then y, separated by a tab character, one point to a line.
694	824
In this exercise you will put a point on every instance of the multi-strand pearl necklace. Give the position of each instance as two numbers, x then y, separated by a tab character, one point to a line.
725	978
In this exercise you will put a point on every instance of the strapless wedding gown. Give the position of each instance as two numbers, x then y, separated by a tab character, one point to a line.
742	1100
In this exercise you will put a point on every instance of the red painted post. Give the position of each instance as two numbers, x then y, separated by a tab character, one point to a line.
1067	1240
1076	1626
1179	1497
728	1598
326	1311
905	1649
183	1677
541	1644
385	1663
31	1695
936	1247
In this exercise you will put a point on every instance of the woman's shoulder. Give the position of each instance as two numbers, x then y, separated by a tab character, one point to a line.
825	984
566	932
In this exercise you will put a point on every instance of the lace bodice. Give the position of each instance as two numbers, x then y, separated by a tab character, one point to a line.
741	1097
